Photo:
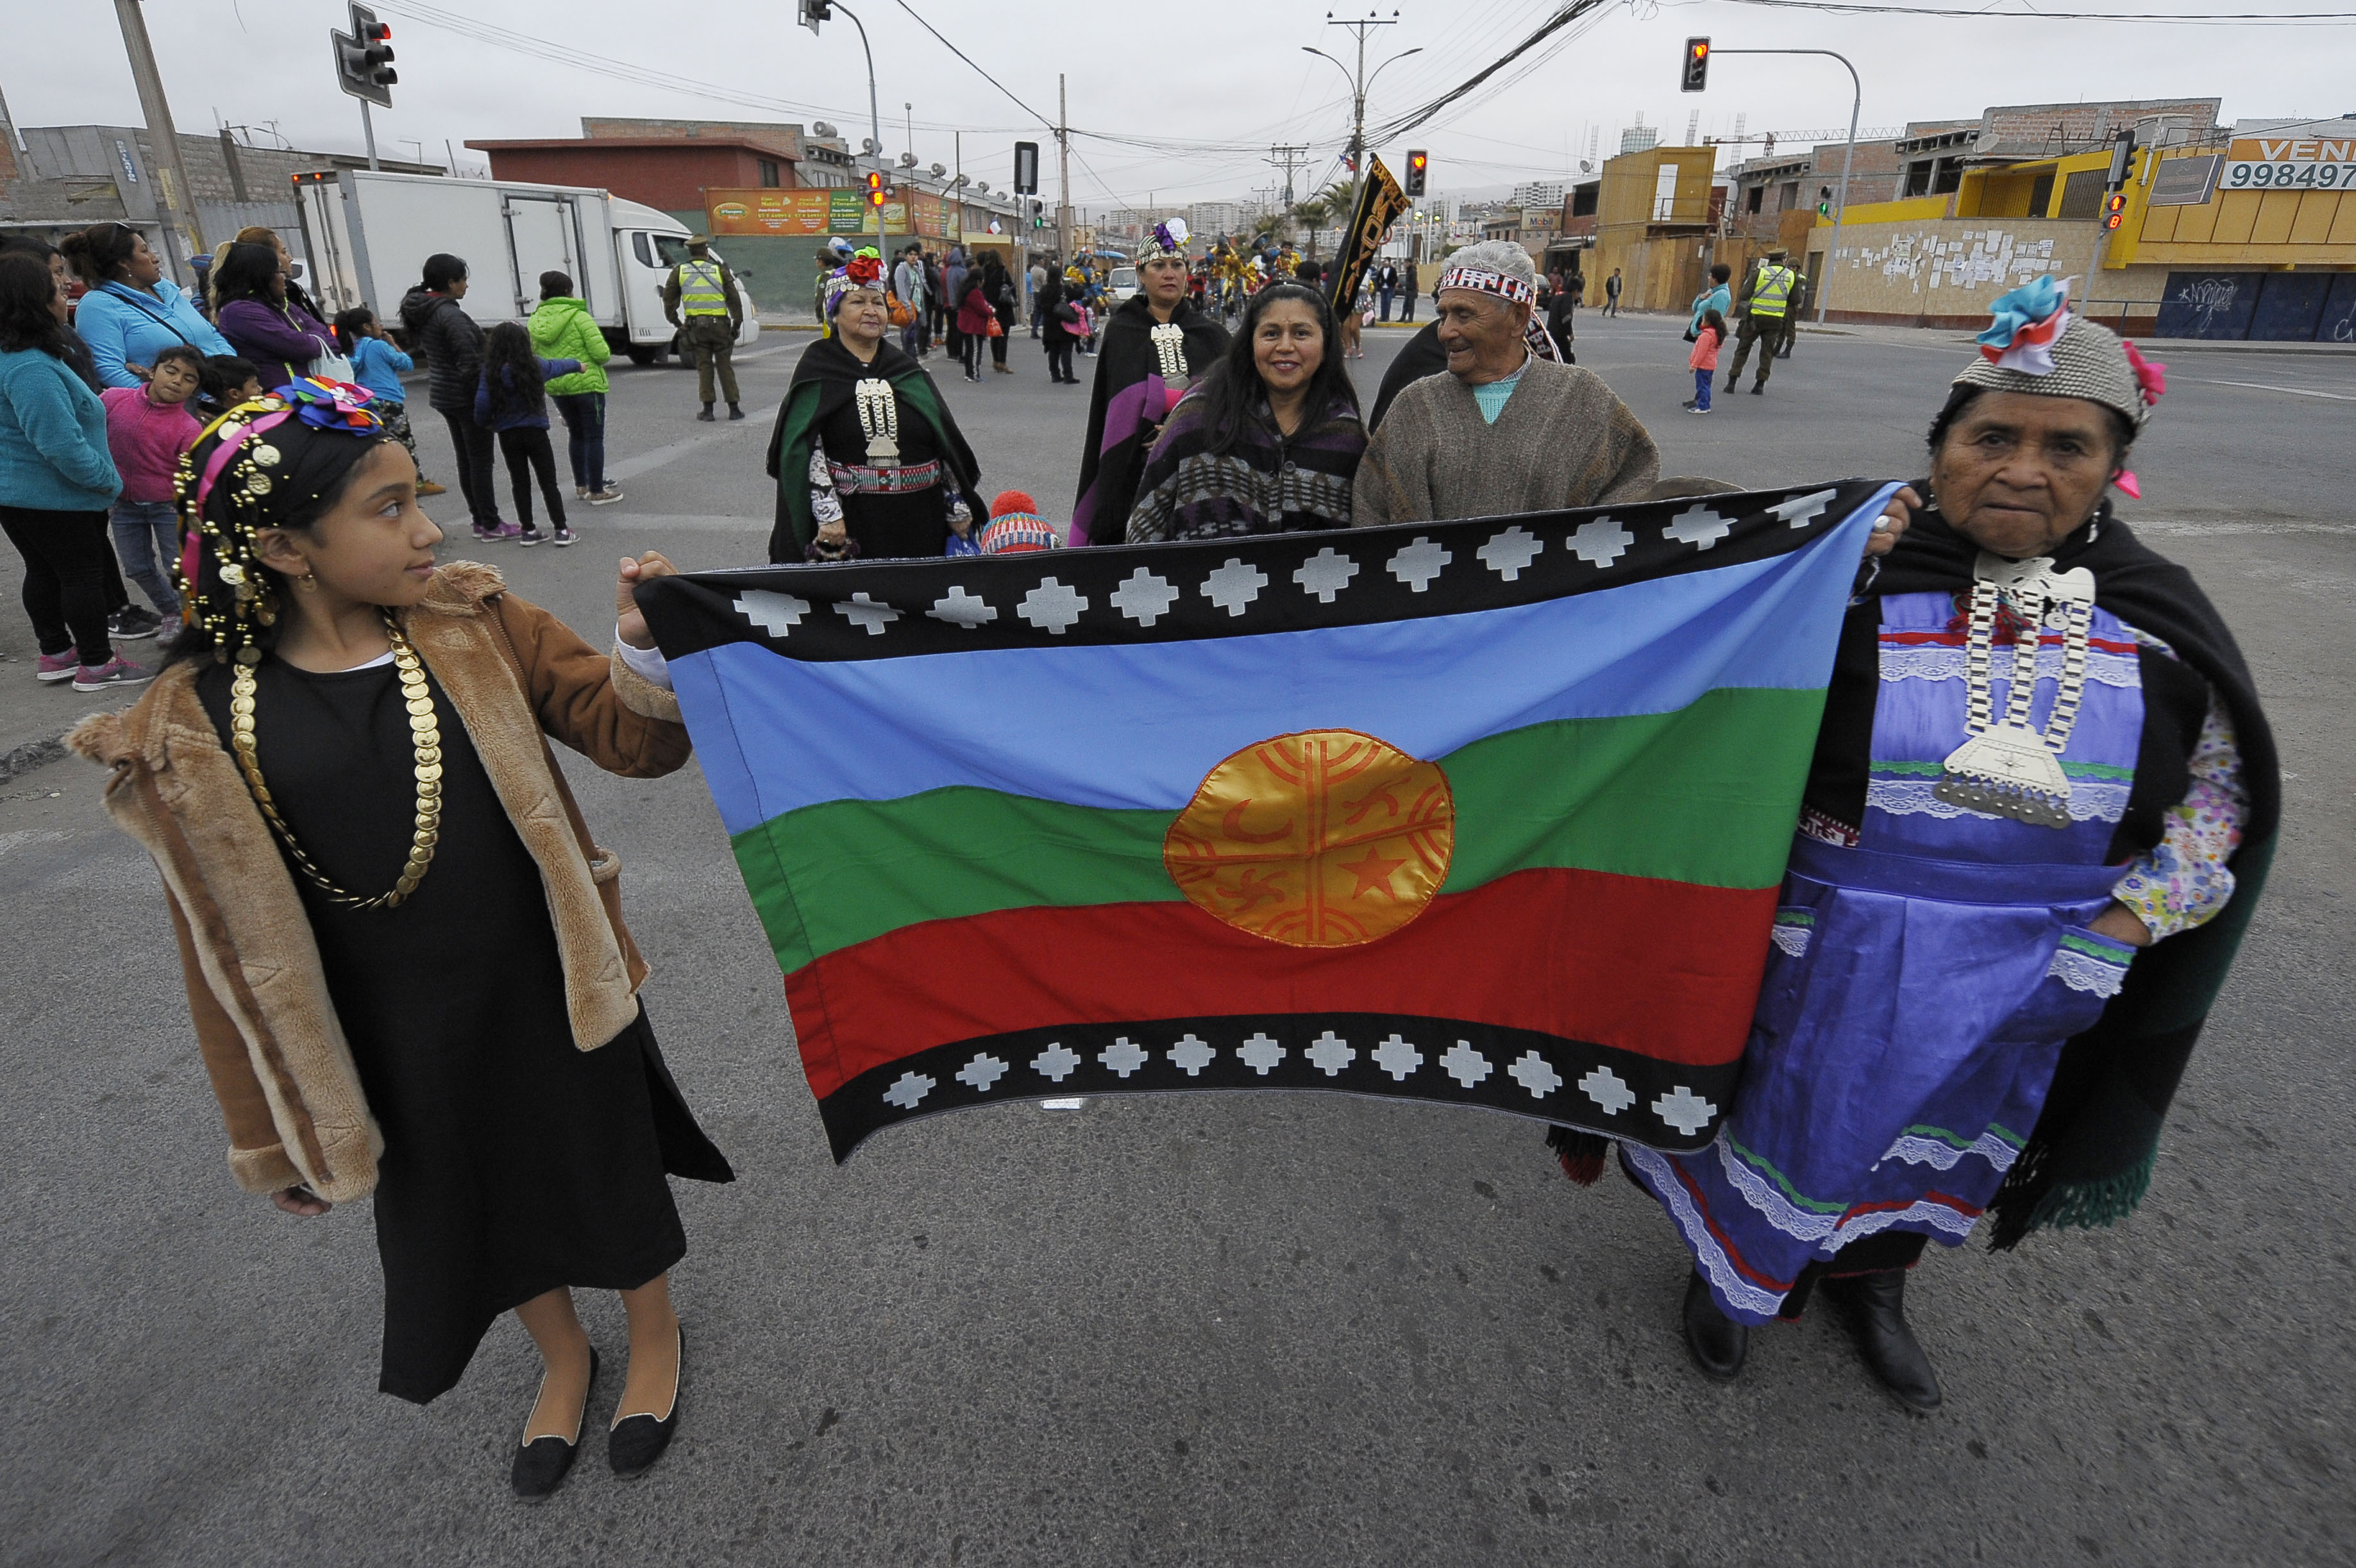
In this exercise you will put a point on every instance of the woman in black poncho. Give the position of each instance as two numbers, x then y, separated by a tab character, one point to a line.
867	459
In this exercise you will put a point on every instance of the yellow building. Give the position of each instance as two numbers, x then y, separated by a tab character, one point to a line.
1653	221
2224	236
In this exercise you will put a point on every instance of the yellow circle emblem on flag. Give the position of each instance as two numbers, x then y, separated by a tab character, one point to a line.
1324	839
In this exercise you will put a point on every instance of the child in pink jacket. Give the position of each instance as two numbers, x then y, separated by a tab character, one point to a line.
147	428
1704	360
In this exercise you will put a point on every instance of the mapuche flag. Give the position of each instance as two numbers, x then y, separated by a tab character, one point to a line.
1489	812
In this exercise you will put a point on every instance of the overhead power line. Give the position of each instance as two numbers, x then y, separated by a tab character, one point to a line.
2186	18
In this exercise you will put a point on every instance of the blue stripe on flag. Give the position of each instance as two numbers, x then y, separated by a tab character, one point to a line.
1136	727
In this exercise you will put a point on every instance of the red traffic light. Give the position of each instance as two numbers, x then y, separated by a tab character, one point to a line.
1696	76
875	189
2115	209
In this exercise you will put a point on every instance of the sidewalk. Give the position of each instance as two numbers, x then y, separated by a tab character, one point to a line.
33	717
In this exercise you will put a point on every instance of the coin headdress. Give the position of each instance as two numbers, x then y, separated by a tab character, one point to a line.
1166	238
259	465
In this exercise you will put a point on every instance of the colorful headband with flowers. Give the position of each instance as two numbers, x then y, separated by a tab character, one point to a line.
333	405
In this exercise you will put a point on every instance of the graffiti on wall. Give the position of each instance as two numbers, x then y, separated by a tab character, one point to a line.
2204	300
1972	259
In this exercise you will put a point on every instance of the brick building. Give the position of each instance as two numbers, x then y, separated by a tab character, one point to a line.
670	172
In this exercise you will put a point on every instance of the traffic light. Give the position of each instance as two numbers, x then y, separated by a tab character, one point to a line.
813	12
1418	164
364	59
1038	213
2115	209
1026	168
1824	201
1696	72
876	188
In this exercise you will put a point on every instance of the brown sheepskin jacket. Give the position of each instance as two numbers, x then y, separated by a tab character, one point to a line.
271	1043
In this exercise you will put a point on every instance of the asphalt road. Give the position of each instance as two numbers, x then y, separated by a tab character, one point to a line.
1242	1330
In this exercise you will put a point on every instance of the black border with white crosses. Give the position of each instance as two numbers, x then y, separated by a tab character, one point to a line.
1227	587
1671	1106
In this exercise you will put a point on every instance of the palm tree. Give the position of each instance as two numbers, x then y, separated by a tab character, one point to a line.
1321	209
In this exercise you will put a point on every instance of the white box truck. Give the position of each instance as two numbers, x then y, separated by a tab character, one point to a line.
367	235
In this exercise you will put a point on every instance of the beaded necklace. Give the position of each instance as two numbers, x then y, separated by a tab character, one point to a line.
425	738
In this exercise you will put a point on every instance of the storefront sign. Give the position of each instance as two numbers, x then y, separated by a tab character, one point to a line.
2307	163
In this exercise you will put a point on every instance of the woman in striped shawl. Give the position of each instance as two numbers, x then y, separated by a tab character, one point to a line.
1270	441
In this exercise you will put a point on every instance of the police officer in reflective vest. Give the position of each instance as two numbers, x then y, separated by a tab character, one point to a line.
1763	306
700	298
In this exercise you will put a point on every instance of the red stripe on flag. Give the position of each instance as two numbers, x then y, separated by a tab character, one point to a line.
1668	969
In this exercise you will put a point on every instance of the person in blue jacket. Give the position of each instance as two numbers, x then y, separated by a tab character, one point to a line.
378	364
132	312
511	400
57	482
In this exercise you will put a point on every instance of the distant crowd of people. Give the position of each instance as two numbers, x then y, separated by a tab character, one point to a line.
109	372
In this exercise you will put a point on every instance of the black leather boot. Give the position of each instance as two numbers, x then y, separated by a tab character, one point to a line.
706	415
1875	1306
735	411
1719	1343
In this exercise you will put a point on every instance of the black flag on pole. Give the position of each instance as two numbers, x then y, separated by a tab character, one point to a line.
1380	204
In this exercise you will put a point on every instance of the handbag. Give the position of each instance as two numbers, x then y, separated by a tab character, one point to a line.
332	367
995	329
900	311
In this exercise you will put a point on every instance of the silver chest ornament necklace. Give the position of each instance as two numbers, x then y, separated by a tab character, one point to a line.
1169	348
879	420
2009	769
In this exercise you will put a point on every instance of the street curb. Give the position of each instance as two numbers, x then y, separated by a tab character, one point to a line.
32	755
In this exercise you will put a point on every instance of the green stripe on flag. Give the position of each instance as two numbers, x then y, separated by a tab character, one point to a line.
1706	795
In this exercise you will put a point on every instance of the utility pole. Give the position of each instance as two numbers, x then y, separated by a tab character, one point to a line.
1286	158
1063	175
184	238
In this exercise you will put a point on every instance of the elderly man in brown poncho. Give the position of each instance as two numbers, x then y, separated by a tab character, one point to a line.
1506	430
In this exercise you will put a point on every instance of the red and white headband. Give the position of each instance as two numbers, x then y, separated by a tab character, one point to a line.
1505	285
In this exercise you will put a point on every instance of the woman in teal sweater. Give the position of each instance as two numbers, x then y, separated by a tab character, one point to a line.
562	328
57	482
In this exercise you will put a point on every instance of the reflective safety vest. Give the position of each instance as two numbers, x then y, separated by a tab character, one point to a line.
1772	295
700	289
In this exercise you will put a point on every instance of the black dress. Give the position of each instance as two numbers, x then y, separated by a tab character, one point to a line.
913	523
514	1162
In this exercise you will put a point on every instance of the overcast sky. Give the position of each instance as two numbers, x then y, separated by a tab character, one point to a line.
1229	77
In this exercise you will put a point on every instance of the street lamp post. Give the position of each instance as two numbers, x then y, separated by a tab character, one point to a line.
874	118
1359	83
1848	155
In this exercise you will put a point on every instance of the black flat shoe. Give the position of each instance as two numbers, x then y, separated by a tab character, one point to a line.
541	1465
1875	1306
635	1443
1719	1343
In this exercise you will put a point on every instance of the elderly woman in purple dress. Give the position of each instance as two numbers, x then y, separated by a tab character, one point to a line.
2042	803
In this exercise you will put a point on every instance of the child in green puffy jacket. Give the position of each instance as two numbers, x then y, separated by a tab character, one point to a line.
562	328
